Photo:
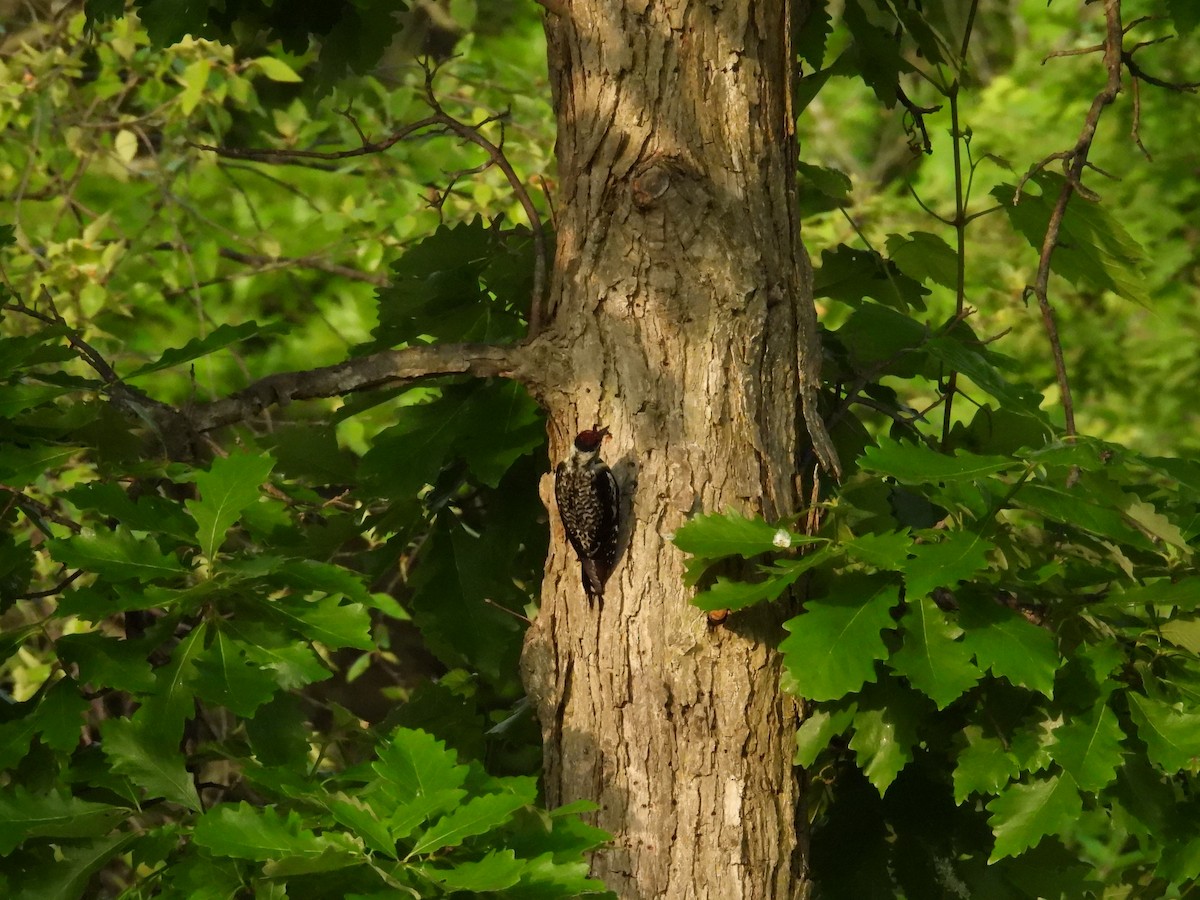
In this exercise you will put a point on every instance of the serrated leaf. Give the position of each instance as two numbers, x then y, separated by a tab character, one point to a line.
730	533
222	336
1095	251
1077	508
822	725
226	677
499	870
415	764
293	661
26	815
22	466
149	513
832	648
931	659
152	764
956	557
917	464
246	832
307	575
882	551
886	726
327	620
477	816
1089	748
230	486
70	871
361	819
852	276
1172	737
1026	813
173	701
106	662
1183	594
60	716
925	257
735	595
117	555
1003	641
984	767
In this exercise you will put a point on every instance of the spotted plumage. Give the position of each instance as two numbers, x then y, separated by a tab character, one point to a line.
589	506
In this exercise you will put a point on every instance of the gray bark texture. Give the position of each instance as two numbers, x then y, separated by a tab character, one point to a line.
681	315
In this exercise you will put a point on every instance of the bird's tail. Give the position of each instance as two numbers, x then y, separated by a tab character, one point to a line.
594	577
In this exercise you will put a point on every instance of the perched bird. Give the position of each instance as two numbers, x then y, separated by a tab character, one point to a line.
589	505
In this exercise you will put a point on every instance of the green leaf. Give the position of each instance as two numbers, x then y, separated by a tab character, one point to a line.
497	871
852	276
1005	642
307	576
276	69
226	490
293	661
1089	748
1183	594
822	725
882	551
226	677
68	872
957	557
1094	251
735	595
25	815
117	555
886	726
1026	813
327	620
832	647
984	767
222	336
931	659
1078	507
879	59
173	702
106	662
150	762
149	513
363	821
415	764
60	716
246	832
917	464
733	534
1172	737
477	816
925	257
22	466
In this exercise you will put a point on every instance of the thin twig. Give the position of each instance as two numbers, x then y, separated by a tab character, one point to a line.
1078	157
540	254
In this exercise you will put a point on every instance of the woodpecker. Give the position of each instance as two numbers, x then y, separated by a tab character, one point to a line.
589	505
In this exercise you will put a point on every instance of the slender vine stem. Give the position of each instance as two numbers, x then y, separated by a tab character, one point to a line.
961	220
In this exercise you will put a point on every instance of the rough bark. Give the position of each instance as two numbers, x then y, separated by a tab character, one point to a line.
681	312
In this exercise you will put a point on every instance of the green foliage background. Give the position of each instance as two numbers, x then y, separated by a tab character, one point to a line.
283	659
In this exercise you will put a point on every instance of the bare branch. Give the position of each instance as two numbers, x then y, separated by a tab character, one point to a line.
1077	160
384	369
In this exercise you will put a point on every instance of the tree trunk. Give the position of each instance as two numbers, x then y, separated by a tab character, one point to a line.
681	310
